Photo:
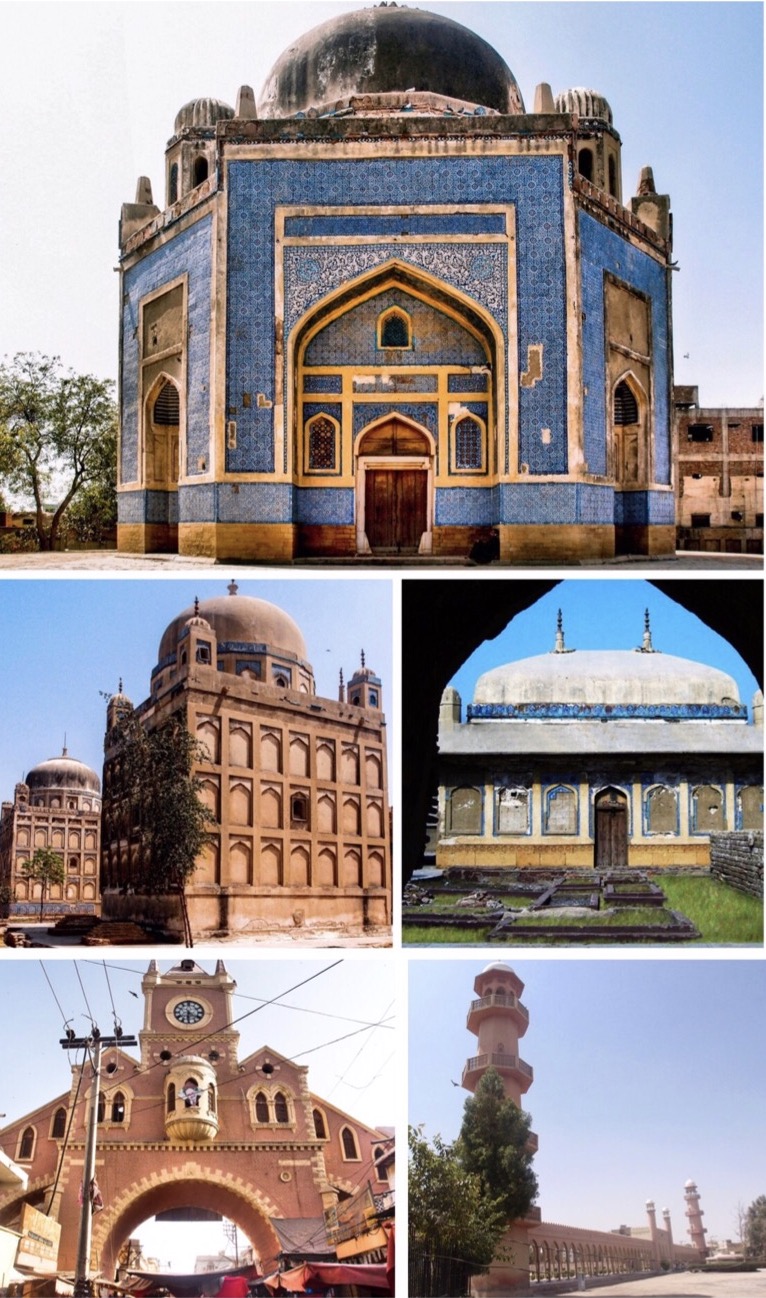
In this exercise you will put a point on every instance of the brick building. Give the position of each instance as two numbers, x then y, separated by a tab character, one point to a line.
57	807
296	784
190	1125
719	454
391	310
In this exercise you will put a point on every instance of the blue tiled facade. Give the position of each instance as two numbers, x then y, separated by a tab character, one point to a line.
467	253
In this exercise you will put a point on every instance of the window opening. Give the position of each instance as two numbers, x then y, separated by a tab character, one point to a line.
167	411
395	330
468	446
625	405
322	443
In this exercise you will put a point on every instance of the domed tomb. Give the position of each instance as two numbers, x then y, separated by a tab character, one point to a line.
383	50
63	772
585	682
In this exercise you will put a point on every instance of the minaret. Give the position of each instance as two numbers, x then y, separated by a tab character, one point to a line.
498	1019
669	1230
646	643
560	647
695	1214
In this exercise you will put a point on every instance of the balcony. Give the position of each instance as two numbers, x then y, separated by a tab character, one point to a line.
505	1002
507	1065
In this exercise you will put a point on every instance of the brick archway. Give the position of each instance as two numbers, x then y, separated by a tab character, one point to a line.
190	1184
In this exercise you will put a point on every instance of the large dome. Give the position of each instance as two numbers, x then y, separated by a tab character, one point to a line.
607	677
386	49
242	620
63	772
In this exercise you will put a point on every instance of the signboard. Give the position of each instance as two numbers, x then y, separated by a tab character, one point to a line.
39	1243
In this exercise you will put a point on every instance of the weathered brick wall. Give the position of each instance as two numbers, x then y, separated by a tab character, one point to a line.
737	859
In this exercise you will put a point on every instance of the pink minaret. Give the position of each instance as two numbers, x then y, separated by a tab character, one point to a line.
695	1215
498	1019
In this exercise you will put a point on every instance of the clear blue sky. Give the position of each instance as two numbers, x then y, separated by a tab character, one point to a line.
647	1073
358	1075
609	614
66	640
684	80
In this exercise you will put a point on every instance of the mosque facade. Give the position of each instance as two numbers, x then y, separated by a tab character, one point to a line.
295	784
56	809
605	759
190	1127
389	310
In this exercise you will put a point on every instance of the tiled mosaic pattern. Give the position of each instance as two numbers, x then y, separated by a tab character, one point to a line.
189	253
640	507
466	506
353	337
555	502
473	223
603	250
533	185
324	505
424	413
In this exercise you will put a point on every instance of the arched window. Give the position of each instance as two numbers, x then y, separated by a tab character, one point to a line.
585	163
707	808
58	1127
469	444
101	1113
211	1098
261	1108
612	176
26	1144
625	404
199	171
319	1125
322	445
118	1107
173	184
394	329
281	1111
191	1093
348	1141
171	1097
166	412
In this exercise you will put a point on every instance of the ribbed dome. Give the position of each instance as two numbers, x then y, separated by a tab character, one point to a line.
386	49
585	103
240	619
202	113
63	772
606	677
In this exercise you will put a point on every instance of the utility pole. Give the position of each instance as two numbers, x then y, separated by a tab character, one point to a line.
93	1043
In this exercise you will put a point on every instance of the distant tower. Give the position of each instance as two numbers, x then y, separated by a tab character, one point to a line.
498	1019
695	1215
364	690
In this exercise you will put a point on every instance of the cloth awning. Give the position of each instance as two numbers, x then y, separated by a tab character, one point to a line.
370	1275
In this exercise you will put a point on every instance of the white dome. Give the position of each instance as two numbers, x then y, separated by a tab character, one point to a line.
606	677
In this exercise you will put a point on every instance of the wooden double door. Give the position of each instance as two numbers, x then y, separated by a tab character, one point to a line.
395	495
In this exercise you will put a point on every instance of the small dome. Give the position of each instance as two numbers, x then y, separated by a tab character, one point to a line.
63	772
386	49
242	620
201	113
607	676
585	103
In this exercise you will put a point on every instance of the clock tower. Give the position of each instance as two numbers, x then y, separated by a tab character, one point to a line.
188	1010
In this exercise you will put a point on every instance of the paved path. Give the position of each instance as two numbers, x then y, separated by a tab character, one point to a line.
113	561
687	1284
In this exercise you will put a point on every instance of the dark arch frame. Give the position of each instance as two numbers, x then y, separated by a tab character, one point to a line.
446	620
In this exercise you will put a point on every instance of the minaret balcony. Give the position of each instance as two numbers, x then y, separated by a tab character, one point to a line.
510	1066
506	1002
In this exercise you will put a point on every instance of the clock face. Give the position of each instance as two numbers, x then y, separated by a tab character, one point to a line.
188	1012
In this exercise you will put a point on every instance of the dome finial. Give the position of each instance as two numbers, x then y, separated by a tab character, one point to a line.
64	752
232	587
119	686
196	606
646	644
560	647
340	687
363	663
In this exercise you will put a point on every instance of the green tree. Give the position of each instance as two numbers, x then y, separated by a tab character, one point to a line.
57	428
755	1229
493	1144
161	802
92	516
453	1228
44	867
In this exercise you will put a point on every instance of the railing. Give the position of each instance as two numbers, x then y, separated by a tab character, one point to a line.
500	1000
498	1060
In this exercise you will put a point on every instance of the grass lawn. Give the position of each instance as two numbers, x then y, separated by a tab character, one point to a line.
721	913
